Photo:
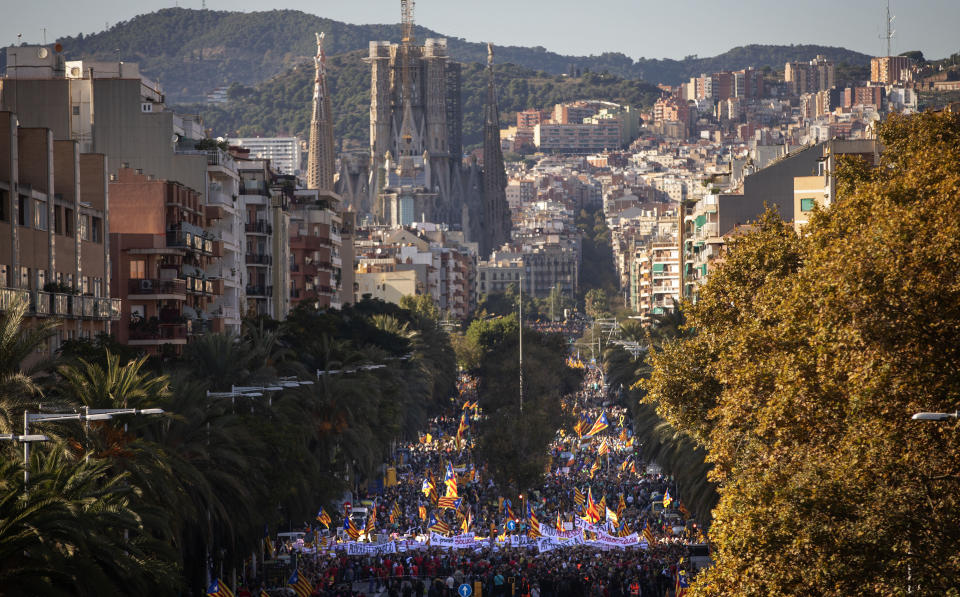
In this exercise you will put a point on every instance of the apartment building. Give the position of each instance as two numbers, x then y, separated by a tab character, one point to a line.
54	255
266	228
655	276
315	249
283	152
427	260
163	246
577	138
809	77
888	70
133	127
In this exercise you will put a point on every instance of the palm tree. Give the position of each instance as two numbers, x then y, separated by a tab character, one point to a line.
18	346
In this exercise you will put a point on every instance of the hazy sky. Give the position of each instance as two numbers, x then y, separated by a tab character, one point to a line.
650	28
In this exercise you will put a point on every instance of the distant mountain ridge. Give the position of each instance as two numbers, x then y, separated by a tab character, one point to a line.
192	52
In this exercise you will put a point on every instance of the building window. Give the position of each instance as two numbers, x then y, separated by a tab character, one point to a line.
76	110
22	210
138	269
68	222
806	204
4	275
40	214
4	208
58	219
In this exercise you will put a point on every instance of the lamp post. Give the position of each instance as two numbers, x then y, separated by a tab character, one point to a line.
89	414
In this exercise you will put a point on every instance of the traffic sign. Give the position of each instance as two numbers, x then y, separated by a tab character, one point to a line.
464	590
511	525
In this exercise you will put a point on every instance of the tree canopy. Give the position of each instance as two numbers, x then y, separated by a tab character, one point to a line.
810	355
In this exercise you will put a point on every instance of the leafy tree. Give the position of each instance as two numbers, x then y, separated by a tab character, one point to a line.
595	302
811	354
507	431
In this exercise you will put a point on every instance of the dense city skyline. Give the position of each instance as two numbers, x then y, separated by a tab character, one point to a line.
924	25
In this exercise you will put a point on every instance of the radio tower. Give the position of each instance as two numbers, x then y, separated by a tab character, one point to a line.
320	158
890	32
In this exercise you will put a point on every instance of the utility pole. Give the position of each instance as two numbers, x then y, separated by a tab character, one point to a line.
521	341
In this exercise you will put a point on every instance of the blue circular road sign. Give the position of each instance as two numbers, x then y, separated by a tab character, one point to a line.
464	590
511	525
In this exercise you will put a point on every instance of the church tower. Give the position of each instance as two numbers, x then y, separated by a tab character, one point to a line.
320	157
496	213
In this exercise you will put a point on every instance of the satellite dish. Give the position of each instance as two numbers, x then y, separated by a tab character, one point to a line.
42	52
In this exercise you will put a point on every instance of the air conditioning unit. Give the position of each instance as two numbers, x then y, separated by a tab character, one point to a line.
146	284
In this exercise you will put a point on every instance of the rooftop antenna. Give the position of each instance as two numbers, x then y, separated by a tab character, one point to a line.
890	31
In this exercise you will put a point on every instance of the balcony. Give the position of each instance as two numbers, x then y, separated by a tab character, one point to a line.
258	259
146	334
158	289
260	291
10	296
41	302
259	227
84	306
190	241
325	290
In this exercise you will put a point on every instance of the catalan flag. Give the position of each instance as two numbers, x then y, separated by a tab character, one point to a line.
667	500
682	583
439	526
599	425
395	513
464	425
621	506
268	543
578	498
594	467
263	593
633	467
593	511
352	531
648	534
510	514
623	435
300	584
450	480
423	513
323	518
612	516
623	531
559	522
219	589
624	464
449	503
533	523
371	521
467	522
604	448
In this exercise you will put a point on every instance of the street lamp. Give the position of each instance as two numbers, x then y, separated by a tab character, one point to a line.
935	416
89	414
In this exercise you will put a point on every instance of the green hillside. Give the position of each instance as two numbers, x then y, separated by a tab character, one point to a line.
281	105
194	51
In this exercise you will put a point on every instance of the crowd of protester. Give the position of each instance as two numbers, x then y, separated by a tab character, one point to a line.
607	465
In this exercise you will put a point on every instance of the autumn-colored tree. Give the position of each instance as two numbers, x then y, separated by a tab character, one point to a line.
811	353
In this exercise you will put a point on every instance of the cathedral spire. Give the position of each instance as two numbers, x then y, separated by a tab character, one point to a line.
320	157
496	213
